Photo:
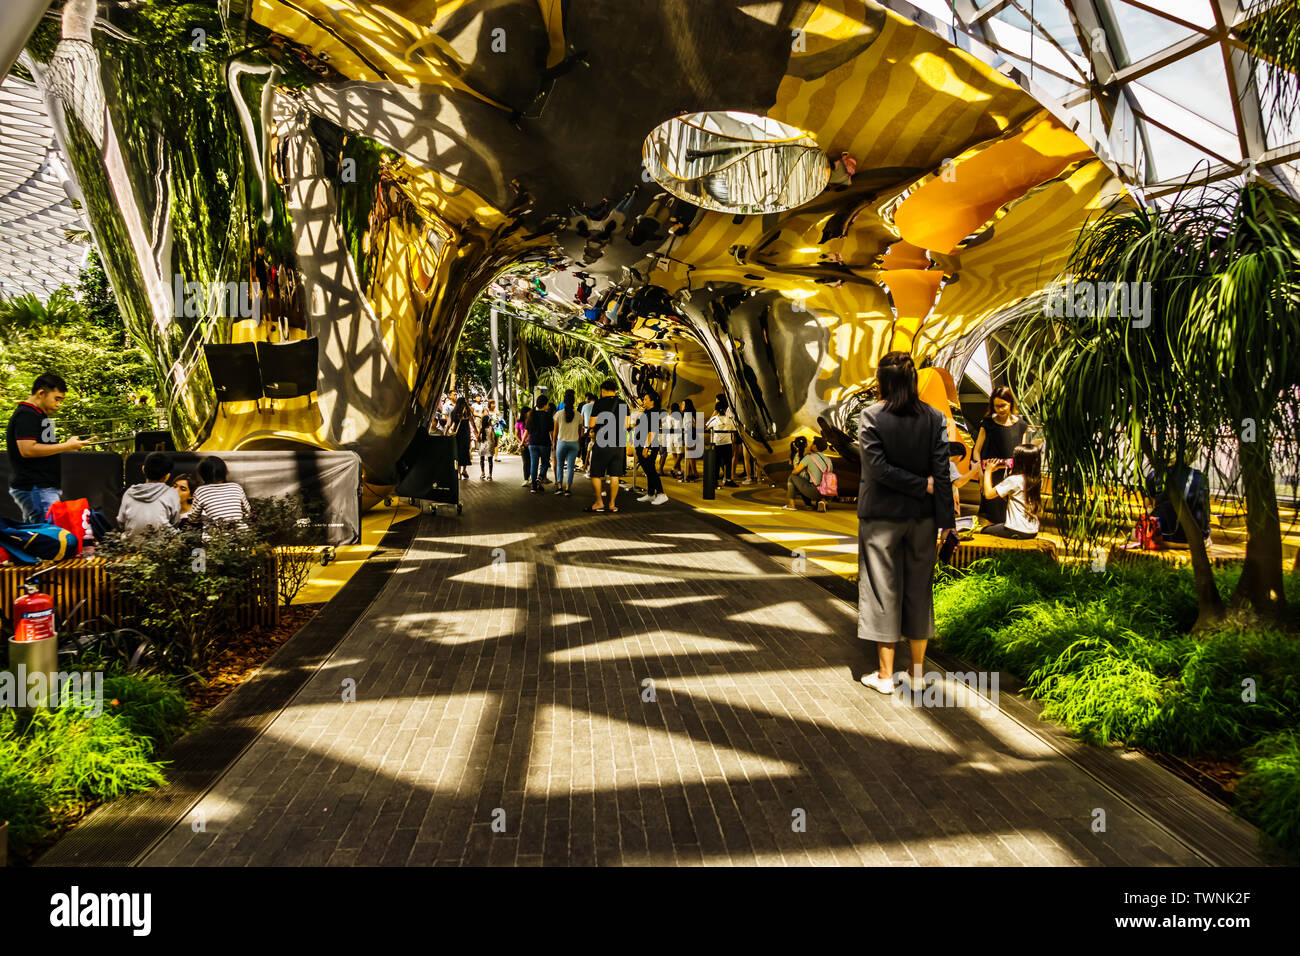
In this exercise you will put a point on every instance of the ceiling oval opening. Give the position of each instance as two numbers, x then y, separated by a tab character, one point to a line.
735	162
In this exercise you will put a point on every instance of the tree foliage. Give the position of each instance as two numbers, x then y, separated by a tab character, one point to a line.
81	337
1214	365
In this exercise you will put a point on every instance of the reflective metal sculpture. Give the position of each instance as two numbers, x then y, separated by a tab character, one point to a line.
353	175
736	162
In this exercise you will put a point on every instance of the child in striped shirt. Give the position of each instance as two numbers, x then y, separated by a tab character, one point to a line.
217	499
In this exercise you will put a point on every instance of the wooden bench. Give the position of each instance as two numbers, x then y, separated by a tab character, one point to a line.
1176	555
83	590
987	546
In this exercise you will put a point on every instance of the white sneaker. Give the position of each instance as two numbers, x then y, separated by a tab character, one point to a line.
659	499
883	684
645	498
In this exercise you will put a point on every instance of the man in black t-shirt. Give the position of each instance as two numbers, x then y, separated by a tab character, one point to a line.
608	429
35	469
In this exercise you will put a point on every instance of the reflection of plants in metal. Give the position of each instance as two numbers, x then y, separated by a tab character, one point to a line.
576	372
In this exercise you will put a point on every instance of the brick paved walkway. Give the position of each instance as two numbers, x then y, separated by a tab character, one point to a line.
503	714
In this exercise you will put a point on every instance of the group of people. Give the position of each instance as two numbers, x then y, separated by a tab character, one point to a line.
592	434
162	499
476	427
165	499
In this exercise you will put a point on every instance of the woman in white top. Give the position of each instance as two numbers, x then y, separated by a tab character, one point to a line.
721	426
568	432
1022	490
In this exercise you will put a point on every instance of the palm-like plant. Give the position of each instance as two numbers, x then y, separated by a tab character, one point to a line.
27	313
1215	361
1271	33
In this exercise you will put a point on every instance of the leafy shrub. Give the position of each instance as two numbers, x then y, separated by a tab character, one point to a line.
1269	791
187	586
293	526
149	706
508	444
1110	656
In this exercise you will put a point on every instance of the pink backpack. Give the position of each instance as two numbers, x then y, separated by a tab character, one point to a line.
828	487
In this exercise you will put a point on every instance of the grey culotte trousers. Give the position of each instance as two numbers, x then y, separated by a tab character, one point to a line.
896	579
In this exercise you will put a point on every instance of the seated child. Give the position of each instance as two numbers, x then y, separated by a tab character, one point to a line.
152	503
1023	491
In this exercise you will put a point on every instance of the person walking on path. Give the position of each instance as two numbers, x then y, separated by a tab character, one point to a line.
723	428
648	439
487	442
584	443
521	434
35	462
568	431
806	476
461	426
541	439
690	441
904	500
608	429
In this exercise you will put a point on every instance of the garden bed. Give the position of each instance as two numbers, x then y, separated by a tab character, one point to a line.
57	766
1111	657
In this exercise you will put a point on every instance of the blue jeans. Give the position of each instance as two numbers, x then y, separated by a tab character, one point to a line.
35	502
541	457
566	457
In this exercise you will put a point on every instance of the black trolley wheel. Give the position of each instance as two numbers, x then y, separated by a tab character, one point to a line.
459	508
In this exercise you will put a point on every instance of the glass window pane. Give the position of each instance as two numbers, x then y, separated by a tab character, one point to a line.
1198	82
1142	33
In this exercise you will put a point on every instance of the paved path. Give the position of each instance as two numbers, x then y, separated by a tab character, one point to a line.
539	685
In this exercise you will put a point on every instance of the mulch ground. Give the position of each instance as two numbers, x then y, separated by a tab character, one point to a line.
243	656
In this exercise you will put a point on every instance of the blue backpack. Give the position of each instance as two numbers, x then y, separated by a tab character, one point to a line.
32	543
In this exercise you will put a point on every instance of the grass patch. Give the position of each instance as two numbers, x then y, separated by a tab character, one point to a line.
56	764
1110	657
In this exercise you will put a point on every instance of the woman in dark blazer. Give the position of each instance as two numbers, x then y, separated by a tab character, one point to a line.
904	500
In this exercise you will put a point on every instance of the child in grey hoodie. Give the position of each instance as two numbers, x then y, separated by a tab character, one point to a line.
153	503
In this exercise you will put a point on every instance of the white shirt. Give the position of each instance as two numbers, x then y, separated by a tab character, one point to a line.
1019	517
722	427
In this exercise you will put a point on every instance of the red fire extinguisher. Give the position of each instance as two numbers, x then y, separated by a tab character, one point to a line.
33	615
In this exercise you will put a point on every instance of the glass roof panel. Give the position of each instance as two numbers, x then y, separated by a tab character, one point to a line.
1054	17
1198	82
1187	123
1142	33
1174	157
1279	130
1196	12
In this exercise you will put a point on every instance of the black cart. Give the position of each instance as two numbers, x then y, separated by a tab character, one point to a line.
427	472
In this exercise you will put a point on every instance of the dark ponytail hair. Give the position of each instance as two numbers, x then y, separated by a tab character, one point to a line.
1027	460
569	401
896	377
